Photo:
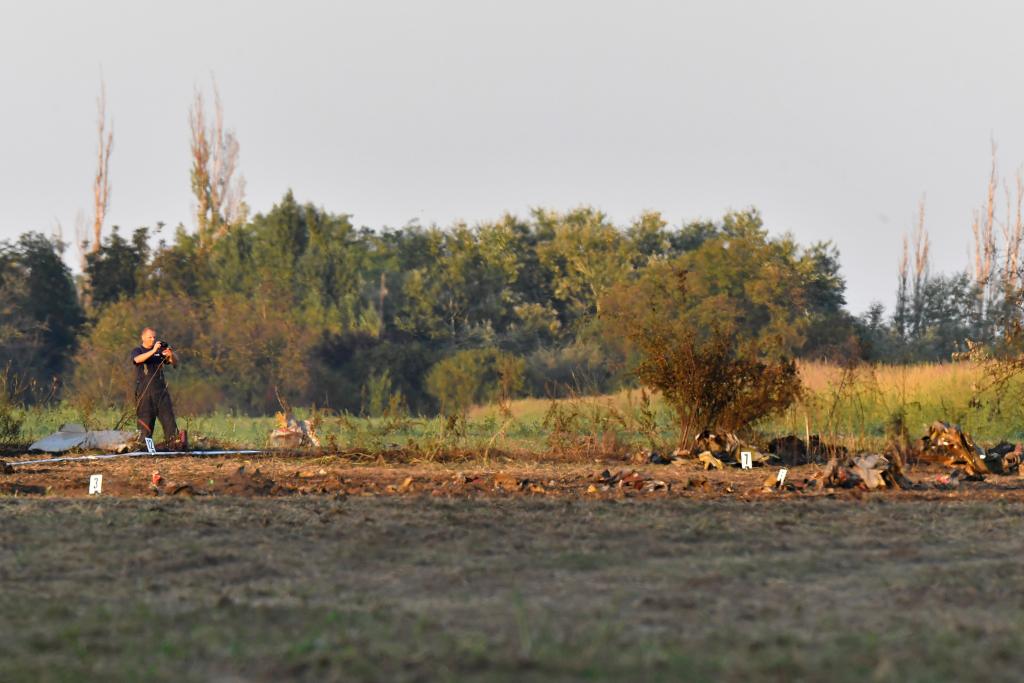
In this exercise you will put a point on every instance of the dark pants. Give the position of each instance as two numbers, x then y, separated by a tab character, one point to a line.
155	403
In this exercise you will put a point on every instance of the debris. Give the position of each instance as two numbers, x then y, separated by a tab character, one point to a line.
1004	458
406	485
624	480
869	472
72	435
710	461
717	443
505	482
724	449
155	479
953	447
949	482
293	433
656	458
790	449
5	468
869	469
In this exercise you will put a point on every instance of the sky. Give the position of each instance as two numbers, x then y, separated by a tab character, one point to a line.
833	119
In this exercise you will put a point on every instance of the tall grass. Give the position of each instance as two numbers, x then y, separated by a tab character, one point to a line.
867	401
859	407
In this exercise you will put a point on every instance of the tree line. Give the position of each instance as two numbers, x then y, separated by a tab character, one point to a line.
298	303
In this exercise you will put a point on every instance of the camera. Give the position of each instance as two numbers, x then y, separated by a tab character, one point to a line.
163	345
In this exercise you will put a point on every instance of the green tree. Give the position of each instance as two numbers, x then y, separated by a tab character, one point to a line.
474	376
40	314
115	269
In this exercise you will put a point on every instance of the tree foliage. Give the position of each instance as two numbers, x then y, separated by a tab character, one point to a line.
716	372
301	302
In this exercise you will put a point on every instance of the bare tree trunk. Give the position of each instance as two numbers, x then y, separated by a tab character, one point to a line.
985	243
218	187
1013	236
921	246
200	148
101	183
900	315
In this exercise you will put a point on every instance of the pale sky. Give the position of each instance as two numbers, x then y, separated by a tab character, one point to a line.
832	118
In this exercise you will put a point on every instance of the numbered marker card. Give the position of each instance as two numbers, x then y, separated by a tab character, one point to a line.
150	446
95	484
781	479
746	460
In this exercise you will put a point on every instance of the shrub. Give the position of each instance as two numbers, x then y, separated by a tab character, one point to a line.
711	376
474	376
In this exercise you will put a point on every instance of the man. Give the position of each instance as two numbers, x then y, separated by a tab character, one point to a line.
152	400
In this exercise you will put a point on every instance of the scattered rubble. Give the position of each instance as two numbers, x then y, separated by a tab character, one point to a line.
631	480
718	450
868	472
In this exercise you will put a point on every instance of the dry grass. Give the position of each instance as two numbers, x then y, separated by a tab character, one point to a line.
859	408
324	589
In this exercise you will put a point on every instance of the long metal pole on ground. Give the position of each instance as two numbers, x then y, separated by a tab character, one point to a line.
133	454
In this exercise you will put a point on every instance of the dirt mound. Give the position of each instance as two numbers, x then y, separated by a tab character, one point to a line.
243	482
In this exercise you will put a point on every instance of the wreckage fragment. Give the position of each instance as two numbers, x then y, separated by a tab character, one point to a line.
1004	458
954	447
718	450
627	480
869	472
790	449
710	461
72	435
293	433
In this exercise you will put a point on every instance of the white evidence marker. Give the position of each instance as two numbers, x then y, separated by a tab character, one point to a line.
150	446
746	460
95	484
782	476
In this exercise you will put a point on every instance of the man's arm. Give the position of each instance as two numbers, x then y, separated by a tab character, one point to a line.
143	357
169	355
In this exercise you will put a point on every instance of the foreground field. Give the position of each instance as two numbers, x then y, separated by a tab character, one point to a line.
463	573
419	589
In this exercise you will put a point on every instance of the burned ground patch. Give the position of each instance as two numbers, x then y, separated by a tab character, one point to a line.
517	587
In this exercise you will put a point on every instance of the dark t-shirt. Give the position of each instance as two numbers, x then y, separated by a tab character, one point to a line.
145	371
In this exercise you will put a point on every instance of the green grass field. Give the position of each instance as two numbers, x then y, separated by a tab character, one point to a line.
857	408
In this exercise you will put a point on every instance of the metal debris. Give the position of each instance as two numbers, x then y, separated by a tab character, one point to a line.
293	433
949	444
75	436
870	472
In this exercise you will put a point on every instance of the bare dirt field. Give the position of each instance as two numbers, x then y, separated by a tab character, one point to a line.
335	568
